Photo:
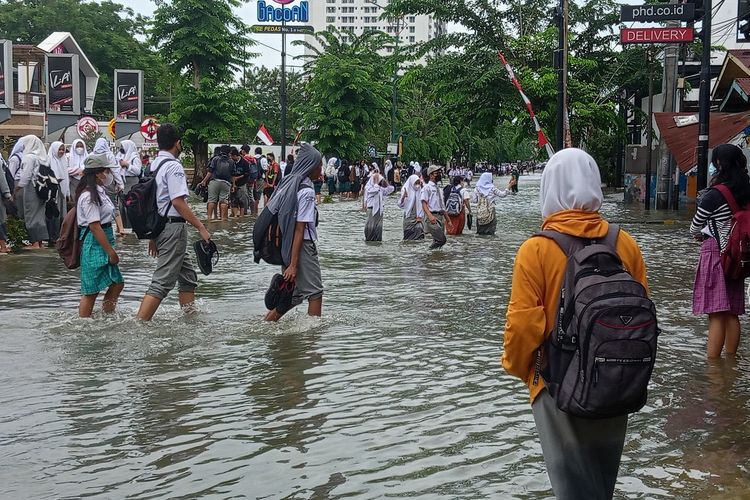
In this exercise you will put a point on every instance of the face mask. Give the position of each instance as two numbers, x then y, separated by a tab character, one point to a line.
109	179
438	178
80	151
711	170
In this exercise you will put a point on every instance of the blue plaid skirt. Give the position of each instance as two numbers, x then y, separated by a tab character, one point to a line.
97	273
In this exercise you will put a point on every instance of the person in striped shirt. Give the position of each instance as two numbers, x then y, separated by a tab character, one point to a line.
723	299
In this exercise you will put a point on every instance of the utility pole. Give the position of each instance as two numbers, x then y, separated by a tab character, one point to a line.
704	99
394	93
649	128
283	84
561	64
669	84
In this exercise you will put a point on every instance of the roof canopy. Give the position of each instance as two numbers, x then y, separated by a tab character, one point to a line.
62	42
682	142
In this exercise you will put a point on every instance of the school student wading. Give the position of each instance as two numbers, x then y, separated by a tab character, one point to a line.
173	266
434	207
582	455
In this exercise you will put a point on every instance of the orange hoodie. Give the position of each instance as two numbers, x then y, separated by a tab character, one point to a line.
537	278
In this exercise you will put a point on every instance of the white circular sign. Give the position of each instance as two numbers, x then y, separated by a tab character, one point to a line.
87	125
149	127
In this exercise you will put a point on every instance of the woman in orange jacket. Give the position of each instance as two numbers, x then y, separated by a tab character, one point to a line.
582	455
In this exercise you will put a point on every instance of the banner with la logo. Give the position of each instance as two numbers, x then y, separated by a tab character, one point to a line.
128	95
63	89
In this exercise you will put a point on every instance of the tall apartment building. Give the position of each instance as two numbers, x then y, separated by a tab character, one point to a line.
358	16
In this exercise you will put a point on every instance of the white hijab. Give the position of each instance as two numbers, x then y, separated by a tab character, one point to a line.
75	160
413	194
373	193
571	181
131	156
388	167
417	168
485	185
59	166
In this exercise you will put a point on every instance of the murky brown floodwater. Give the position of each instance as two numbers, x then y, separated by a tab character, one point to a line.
396	392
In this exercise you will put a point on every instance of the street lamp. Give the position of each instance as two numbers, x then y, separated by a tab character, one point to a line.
394	91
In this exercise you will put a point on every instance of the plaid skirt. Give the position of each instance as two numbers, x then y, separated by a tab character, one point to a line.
97	273
712	292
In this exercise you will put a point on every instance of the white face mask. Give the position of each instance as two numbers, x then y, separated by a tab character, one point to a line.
80	151
109	179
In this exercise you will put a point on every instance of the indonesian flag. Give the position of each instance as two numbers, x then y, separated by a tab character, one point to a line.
264	136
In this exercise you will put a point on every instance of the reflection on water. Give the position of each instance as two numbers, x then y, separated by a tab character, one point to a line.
396	391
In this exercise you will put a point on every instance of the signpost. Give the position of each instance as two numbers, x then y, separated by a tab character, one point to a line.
657	35
149	127
275	29
657	12
6	79
86	126
128	98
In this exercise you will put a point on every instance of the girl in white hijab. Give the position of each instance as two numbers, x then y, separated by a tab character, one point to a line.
113	190
76	159
376	190
35	209
571	181
59	163
483	199
412	207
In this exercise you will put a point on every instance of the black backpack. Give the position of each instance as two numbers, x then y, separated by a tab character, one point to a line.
142	208
223	168
343	174
8	175
46	183
267	237
254	169
597	360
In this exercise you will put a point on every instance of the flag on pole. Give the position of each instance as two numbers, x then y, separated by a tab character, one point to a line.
541	138
264	136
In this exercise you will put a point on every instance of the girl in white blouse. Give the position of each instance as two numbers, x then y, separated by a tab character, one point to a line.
95	213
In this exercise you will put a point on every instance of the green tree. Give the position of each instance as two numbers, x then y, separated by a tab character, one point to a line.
203	42
263	85
347	95
109	34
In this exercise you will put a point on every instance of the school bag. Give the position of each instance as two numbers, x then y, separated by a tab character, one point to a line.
45	183
598	358
223	168
455	202
343	174
735	258
8	176
268	238
485	211
69	243
142	208
254	169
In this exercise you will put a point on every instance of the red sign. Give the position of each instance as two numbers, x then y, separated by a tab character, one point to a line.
149	127
657	35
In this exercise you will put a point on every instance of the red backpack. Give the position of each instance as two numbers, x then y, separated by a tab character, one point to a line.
735	258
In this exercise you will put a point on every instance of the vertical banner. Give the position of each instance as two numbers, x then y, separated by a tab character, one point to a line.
63	87
6	74
128	95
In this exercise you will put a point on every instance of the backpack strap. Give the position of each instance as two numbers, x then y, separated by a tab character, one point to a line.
567	243
729	197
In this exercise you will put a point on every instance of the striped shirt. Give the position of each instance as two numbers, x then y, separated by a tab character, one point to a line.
713	217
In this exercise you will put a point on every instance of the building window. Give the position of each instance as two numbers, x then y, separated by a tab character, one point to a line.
412	29
330	19
330	10
412	19
411	39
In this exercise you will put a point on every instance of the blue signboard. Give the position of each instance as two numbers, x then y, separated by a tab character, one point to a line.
269	13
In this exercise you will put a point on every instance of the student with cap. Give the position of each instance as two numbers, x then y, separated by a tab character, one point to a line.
434	207
95	213
173	266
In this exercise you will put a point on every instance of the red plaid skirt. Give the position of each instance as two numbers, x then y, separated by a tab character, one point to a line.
713	292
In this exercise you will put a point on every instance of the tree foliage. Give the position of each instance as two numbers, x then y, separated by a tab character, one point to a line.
347	94
109	34
263	86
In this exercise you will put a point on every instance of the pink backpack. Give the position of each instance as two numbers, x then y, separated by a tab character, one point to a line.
735	258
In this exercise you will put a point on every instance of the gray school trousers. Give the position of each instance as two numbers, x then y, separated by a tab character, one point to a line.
173	265
437	231
582	455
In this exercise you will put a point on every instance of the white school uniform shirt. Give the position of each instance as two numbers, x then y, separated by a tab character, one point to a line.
88	212
306	209
171	182
431	194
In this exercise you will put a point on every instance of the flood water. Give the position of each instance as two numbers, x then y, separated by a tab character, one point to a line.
396	392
